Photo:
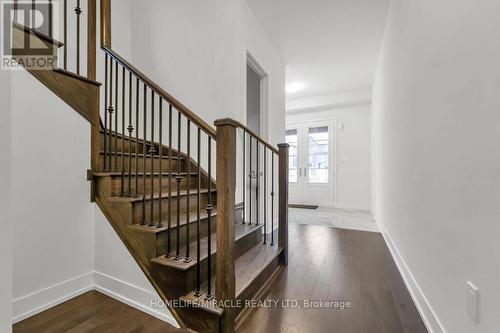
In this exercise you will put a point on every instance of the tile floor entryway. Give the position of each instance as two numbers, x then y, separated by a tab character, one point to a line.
354	219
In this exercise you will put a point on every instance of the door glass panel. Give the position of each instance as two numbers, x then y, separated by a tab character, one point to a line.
291	139
318	155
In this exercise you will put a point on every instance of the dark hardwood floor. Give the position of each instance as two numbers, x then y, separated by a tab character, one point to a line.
325	264
338	265
96	313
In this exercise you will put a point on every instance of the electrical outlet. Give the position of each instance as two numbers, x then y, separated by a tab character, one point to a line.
473	302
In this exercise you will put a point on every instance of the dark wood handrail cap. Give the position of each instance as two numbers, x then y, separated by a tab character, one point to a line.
226	121
283	145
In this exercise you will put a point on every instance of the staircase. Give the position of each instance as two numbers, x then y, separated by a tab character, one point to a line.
152	175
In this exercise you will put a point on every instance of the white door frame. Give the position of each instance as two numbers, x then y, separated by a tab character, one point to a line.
264	94
333	142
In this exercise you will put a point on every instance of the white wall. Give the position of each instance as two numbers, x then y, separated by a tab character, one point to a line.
52	218
197	51
5	202
353	152
436	158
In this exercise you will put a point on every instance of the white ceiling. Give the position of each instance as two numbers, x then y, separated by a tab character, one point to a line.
328	45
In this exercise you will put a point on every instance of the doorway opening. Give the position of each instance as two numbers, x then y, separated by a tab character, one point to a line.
256	97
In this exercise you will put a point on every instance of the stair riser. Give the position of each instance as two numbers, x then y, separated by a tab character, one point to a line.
155	242
141	166
137	206
137	188
133	146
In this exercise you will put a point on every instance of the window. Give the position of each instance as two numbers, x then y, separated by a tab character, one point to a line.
318	155
291	139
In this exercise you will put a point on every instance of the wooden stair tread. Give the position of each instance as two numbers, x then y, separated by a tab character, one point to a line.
251	263
140	155
193	217
157	195
240	231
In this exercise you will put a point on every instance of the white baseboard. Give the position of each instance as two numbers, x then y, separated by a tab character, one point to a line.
141	299
428	315
49	297
133	296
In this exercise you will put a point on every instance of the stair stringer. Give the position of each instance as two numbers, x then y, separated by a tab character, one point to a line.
193	318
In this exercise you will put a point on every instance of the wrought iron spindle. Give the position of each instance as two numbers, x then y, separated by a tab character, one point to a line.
160	153
144	153
178	179
244	188
65	31
78	12
188	180
272	198
257	184
51	19
122	176
169	236
111	110
33	9
116	118
152	152
250	181
136	192
210	209
130	129
198	292
106	106
265	194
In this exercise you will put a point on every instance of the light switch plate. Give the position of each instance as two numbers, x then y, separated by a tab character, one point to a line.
473	302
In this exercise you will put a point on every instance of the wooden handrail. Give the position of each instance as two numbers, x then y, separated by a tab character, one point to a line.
236	123
209	130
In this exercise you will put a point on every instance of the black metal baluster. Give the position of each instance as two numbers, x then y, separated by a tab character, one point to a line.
51	18
33	8
178	179
265	194
65	28
111	110
210	209
16	8
272	198
198	292
160	153
244	188
122	176
136	192
144	153
116	118
152	152
188	180
130	129
78	12
169	236
106	106
257	184
250	180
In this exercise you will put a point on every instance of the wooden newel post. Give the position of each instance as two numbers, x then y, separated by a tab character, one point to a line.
225	285
283	200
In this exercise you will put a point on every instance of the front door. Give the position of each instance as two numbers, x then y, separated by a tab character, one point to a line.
311	171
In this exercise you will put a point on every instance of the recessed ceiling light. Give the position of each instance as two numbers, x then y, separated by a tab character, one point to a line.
294	86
